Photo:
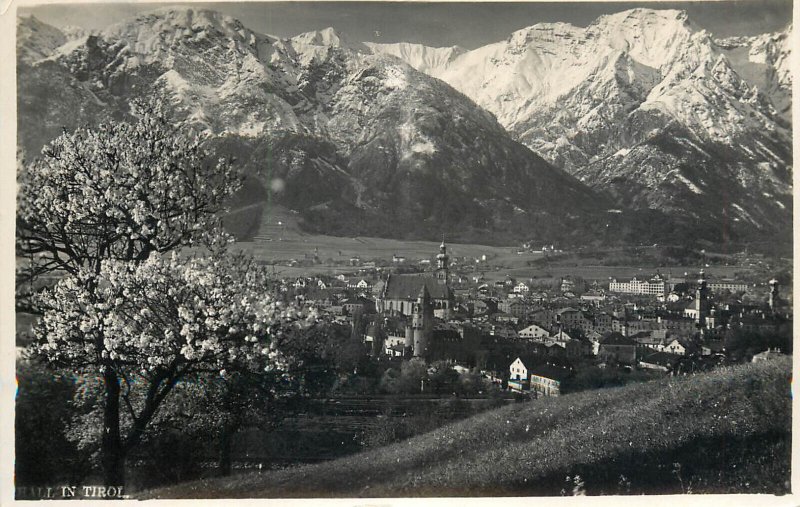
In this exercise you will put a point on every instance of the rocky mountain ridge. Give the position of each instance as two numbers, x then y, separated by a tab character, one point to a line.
358	143
604	101
367	138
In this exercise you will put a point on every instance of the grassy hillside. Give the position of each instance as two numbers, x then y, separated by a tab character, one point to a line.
721	432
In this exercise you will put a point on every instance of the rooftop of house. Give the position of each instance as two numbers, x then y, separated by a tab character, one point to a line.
534	325
645	337
408	286
677	318
395	325
683	341
661	358
768	354
616	338
551	372
446	334
528	360
764	320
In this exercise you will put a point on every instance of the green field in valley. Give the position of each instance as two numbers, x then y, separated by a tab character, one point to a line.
280	238
273	234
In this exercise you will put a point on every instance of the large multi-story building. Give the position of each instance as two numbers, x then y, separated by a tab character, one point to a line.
517	307
655	286
571	318
727	285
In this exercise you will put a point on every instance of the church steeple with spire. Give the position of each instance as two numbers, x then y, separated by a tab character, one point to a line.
701	300
401	291
442	262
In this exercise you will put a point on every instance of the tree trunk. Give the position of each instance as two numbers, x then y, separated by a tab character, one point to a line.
225	442
112	451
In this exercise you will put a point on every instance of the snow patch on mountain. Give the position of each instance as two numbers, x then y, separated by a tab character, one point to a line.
395	78
315	45
422	58
683	179
743	213
764	61
176	83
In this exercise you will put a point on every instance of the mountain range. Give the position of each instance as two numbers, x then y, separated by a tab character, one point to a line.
644	105
639	127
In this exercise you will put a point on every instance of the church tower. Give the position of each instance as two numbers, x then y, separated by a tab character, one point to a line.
701	300
422	322
773	294
442	262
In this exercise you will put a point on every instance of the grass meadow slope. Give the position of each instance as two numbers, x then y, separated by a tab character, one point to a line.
727	431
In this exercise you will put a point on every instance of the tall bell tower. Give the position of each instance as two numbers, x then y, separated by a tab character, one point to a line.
701	300
442	264
422	323
773	295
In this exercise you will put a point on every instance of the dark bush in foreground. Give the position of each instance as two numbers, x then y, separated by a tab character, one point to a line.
44	455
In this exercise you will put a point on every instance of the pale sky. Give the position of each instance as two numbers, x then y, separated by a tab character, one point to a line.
469	25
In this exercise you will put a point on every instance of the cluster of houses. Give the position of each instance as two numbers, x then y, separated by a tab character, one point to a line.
532	337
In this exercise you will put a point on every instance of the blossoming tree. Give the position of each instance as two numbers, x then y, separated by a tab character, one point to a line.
153	324
102	208
215	405
119	191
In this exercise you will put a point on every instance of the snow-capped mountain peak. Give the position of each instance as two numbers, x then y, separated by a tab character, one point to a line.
643	105
177	19
364	143
159	31
599	100
651	37
319	40
325	37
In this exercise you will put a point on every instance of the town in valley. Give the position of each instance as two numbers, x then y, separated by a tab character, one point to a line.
534	335
402	249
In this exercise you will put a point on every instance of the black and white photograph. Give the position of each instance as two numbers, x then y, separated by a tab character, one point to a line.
399	250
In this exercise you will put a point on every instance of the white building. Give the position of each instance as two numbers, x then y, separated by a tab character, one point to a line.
675	347
518	370
727	285
533	331
653	287
361	284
